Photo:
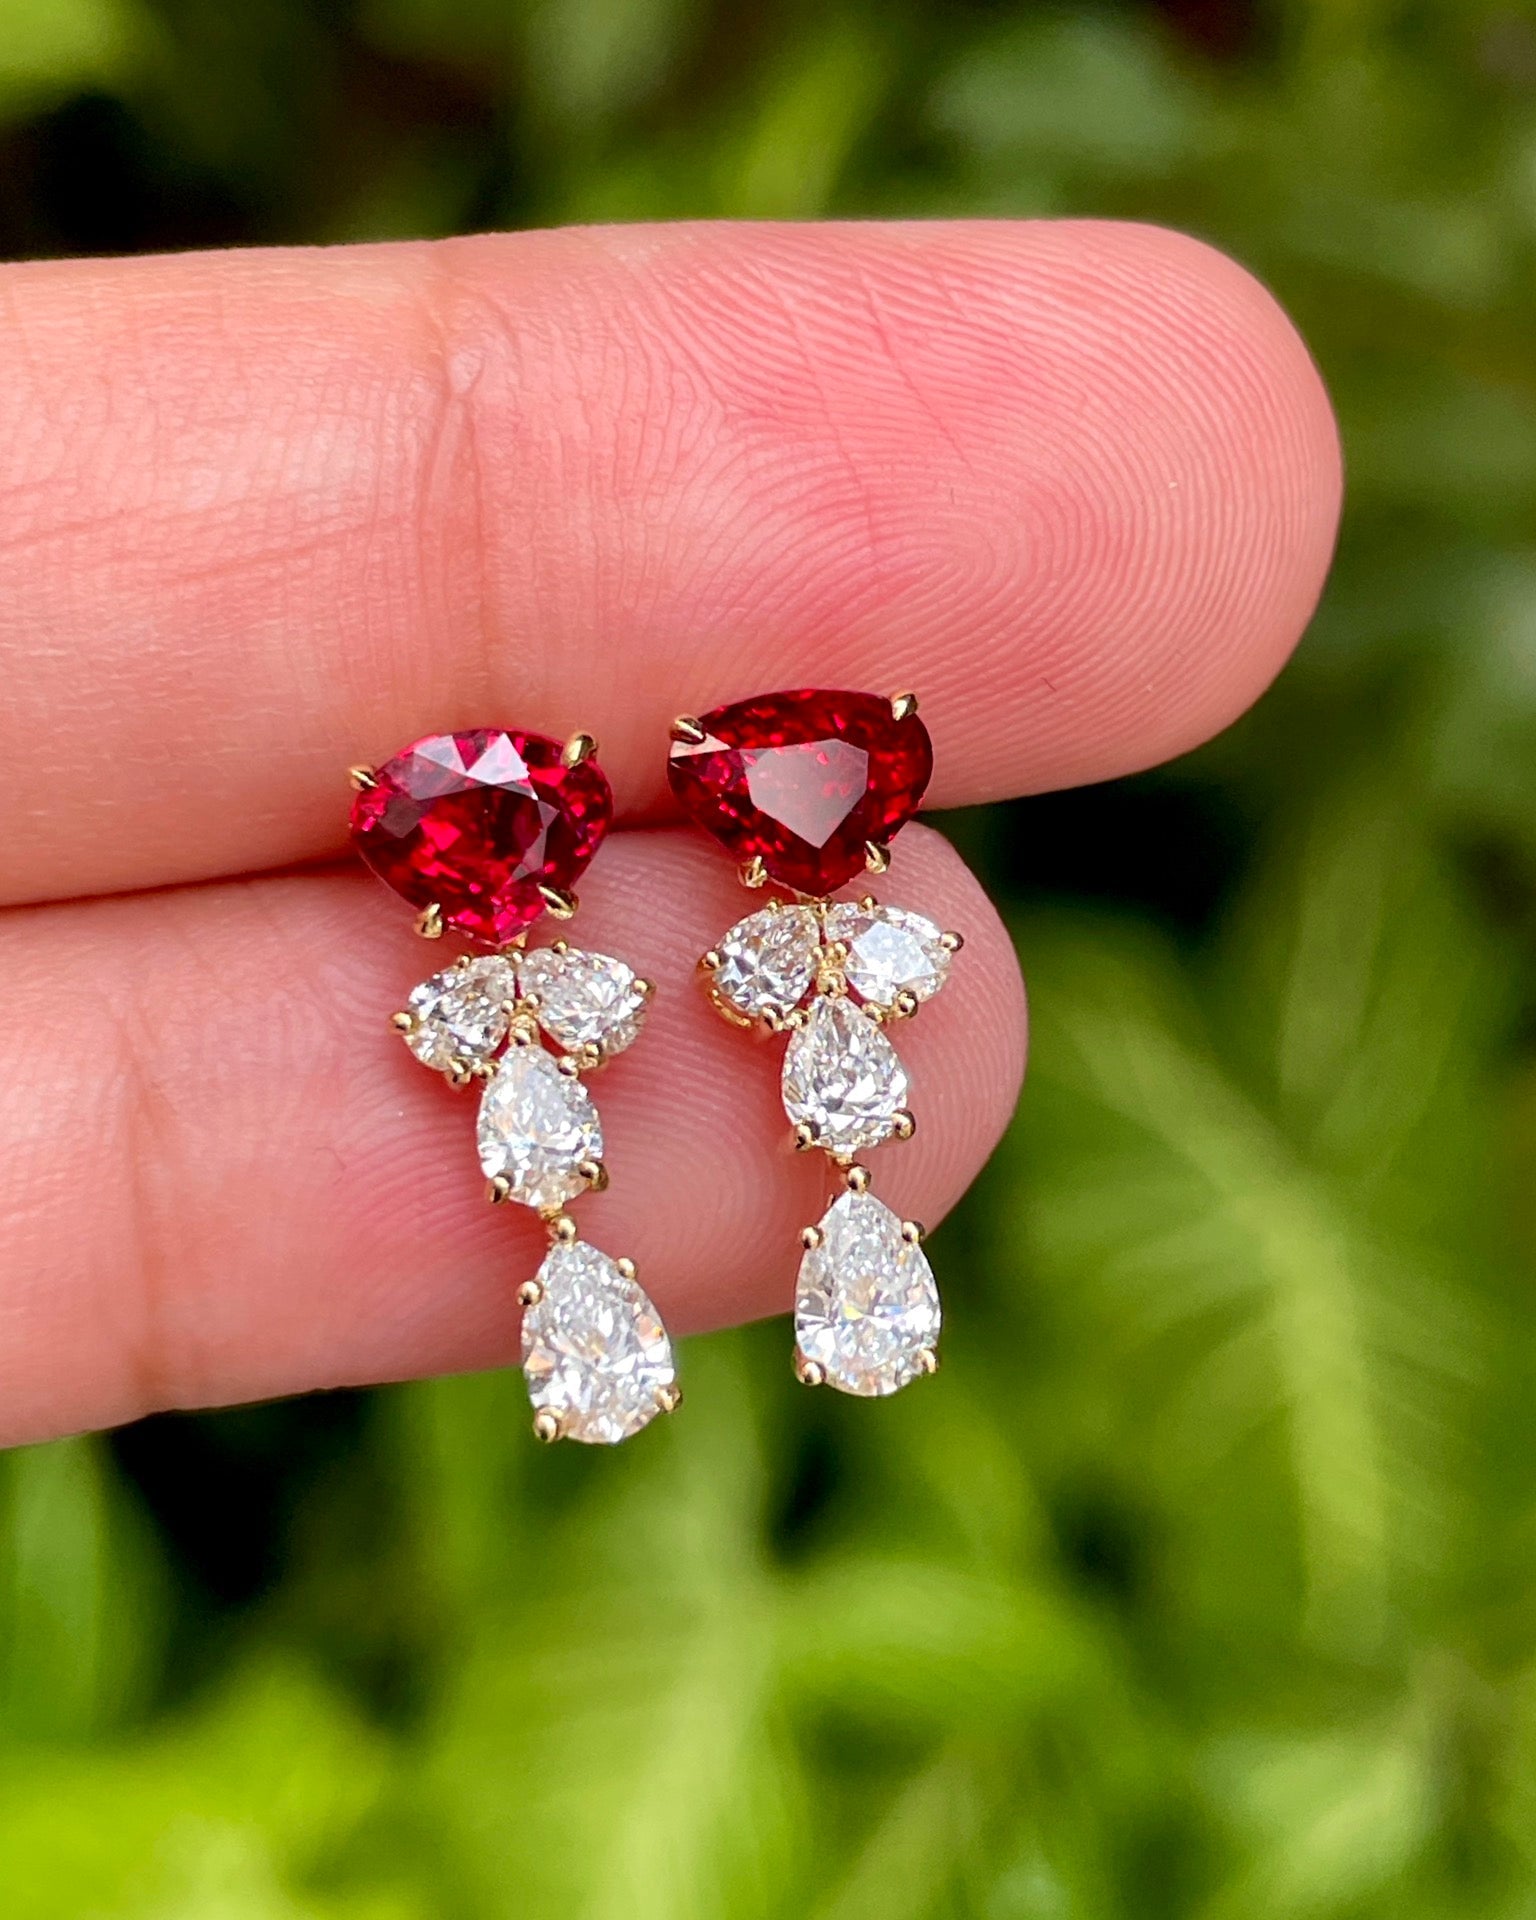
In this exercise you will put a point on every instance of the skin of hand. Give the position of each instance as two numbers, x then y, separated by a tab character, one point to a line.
266	515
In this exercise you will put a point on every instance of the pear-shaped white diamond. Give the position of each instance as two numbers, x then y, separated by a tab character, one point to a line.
866	1308
768	961
537	1125
891	950
842	1078
584	999
595	1353
461	1013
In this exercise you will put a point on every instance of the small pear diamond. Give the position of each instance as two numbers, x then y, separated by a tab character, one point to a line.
866	1308
595	1353
460	1014
768	961
584	999
537	1125
842	1078
891	950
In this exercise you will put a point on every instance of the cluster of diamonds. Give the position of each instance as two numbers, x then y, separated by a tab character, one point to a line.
837	976
525	1026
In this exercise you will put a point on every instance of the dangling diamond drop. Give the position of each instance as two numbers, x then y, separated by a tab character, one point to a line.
595	1353
866	1310
537	1125
842	1078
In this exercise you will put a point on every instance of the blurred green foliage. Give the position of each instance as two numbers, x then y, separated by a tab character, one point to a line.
1202	1584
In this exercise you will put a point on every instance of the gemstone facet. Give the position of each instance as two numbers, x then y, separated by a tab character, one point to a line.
842	1078
891	950
460	1015
803	780
866	1308
475	823
584	999
595	1353
536	1127
768	961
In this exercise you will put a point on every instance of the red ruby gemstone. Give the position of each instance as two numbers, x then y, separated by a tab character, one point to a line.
803	781
475	822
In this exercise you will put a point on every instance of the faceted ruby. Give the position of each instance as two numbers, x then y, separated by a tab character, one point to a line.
475	822
803	781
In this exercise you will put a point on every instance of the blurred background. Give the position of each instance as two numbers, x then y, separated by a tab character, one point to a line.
1203	1583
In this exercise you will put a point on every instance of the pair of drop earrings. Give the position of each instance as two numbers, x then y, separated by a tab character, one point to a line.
485	831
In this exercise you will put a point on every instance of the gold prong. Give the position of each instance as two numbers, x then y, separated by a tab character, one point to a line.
580	746
805	1137
459	1071
868	902
913	1232
754	873
906	1004
810	1373
670	1397
877	857
772	1019
562	1229
482	1069
811	1238
403	1022
712	961
562	945
794	1020
594	1173
625	1267
569	1065
928	1361
498	1190
687	732
362	779
903	706
905	1124
560	902
546	1426
429	922
856	1179
951	942
530	1293
522	1033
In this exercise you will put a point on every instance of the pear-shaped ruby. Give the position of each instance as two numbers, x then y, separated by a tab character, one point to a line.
804	781
475	823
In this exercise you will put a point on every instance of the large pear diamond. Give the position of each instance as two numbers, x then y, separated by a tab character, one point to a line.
595	1353
842	1078
584	999
537	1125
866	1309
768	961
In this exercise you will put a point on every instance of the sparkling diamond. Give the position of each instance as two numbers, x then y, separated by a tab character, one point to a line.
842	1078
768	961
537	1125
890	950
866	1308
475	823
803	780
595	1352
460	1014
584	999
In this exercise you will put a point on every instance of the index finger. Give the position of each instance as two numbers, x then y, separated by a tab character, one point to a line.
267	514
